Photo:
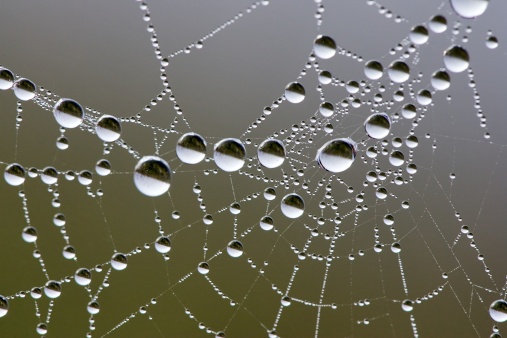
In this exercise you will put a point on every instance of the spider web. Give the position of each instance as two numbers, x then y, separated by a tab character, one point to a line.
219	70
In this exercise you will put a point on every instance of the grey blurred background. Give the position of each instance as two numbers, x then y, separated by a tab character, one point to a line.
99	53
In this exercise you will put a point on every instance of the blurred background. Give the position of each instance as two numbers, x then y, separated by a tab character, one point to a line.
101	54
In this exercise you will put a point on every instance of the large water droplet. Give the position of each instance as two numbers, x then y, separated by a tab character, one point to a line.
294	92
337	155
269	194
42	328
266	223
103	167
152	176
235	248
83	276
409	111
397	158
163	244
498	310
14	174
108	128
24	89
93	307
418	35
271	153
398	72
203	268
377	125
440	80
4	306
68	113
49	175
373	70
29	234
292	206
438	24
324	47
229	154
53	289
326	109
407	305
191	148
119	261
456	59
6	78
469	9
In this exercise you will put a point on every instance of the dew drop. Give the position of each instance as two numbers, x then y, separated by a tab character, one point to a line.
229	154
269	194
271	153
397	158
326	109
29	234
373	70
103	167
398	72
266	223
163	244
292	206
409	111
119	261
83	276
235	248
203	268
24	89
324	47
418	35
152	176
377	125
337	155
440	80
93	307
295	92
108	128
491	42
14	174
407	305
85	177
4	306
498	310
191	148
53	289
469	9
69	252
42	328
68	113
456	59
438	24
6	78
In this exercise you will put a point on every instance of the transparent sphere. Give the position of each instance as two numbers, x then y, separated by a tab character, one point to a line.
103	167
203	268
235	248
407	305
438	24
14	174
295	92
398	72
456	59
292	206
469	9
108	128
498	310
326	109
271	153
378	125
4	306
6	78
163	244
68	113
93	307
337	155
440	80
373	70
119	261
266	223
191	148
24	89
152	176
53	289
324	47
229	154
83	276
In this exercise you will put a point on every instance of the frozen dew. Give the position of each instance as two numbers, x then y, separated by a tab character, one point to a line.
93	307
269	194
229	154
373	70
271	153
203	268
295	92
85	177
456	59
440	80
68	113
29	234
409	111
119	261
103	167
14	174
398	72
438	24
337	155
4	306
266	223
191	148
407	305
235	248
498	310
24	89
108	128
418	35
6	78
292	206
469	9
324	47
397	158
163	244
152	176
83	277
326	109
377	125
53	289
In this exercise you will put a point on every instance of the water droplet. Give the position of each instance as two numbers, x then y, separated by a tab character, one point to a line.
14	174
191	148
271	153
424	97
292	206
93	307
42	328
68	113
438	24
377	125
229	154
396	247
285	301
294	92
325	77
85	177
492	42
53	289
381	193
266	223
398	72
412	141
108	128
152	176
24	89
4	306
373	70
440	80
456	59
83	276
35	293
324	47
409	111
163	244
235	208
235	248
498	310
103	167
69	252
119	261
207	219
203	268
418	35
326	109
407	305
469	9
29	234
6	78
337	155
269	194
397	158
